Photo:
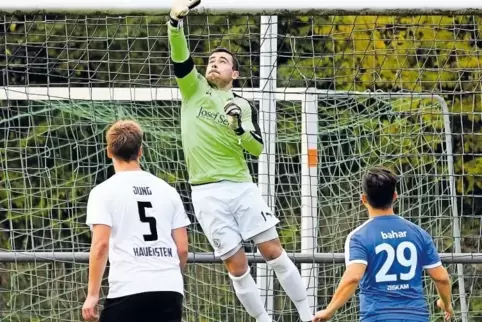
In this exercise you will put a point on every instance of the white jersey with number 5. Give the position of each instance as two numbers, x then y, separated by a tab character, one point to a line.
396	252
142	211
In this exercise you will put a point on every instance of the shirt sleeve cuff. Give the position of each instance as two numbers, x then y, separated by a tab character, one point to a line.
357	261
437	264
98	222
174	25
184	223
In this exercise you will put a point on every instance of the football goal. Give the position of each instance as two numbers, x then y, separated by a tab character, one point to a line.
338	90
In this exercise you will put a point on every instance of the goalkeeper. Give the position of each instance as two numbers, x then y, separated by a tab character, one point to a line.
216	127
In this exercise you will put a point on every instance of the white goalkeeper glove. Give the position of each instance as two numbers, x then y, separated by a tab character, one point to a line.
181	8
233	114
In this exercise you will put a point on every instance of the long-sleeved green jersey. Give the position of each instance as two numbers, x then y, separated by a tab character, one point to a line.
212	150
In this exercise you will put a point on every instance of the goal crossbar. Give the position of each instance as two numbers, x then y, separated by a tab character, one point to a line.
173	93
267	7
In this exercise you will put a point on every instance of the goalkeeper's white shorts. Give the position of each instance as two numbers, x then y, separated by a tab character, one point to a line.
230	212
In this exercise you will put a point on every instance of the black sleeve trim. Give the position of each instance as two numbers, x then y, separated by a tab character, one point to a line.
181	70
257	136
174	23
239	131
254	119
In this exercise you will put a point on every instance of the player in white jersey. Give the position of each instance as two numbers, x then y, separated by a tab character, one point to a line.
138	222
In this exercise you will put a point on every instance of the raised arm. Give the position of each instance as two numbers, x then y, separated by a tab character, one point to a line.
187	77
245	125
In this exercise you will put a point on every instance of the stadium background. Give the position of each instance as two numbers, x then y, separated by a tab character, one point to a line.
51	153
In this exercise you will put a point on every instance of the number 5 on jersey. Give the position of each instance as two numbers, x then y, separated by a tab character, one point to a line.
399	255
141	206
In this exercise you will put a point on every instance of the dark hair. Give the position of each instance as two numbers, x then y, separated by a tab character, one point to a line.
227	51
379	185
124	140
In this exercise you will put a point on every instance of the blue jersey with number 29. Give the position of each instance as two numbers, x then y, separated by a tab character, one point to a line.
395	251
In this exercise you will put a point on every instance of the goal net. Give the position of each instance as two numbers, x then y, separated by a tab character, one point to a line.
66	77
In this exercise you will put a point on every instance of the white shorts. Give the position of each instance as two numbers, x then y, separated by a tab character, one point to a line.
230	212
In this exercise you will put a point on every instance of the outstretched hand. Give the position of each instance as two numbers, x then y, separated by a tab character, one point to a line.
181	8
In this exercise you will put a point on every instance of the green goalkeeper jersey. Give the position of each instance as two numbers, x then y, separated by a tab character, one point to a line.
213	151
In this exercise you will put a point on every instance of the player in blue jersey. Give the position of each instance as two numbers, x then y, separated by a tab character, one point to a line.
386	255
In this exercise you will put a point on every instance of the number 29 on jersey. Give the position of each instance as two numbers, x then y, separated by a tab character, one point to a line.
400	255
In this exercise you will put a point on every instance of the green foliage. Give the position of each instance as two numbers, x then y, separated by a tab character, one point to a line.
53	151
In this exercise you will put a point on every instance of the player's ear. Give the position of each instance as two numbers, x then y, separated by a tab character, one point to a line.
395	196
363	198
139	155
109	153
235	74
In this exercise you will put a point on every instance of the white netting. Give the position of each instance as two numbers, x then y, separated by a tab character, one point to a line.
53	148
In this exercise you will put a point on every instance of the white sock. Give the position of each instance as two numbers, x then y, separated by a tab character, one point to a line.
248	294
290	279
